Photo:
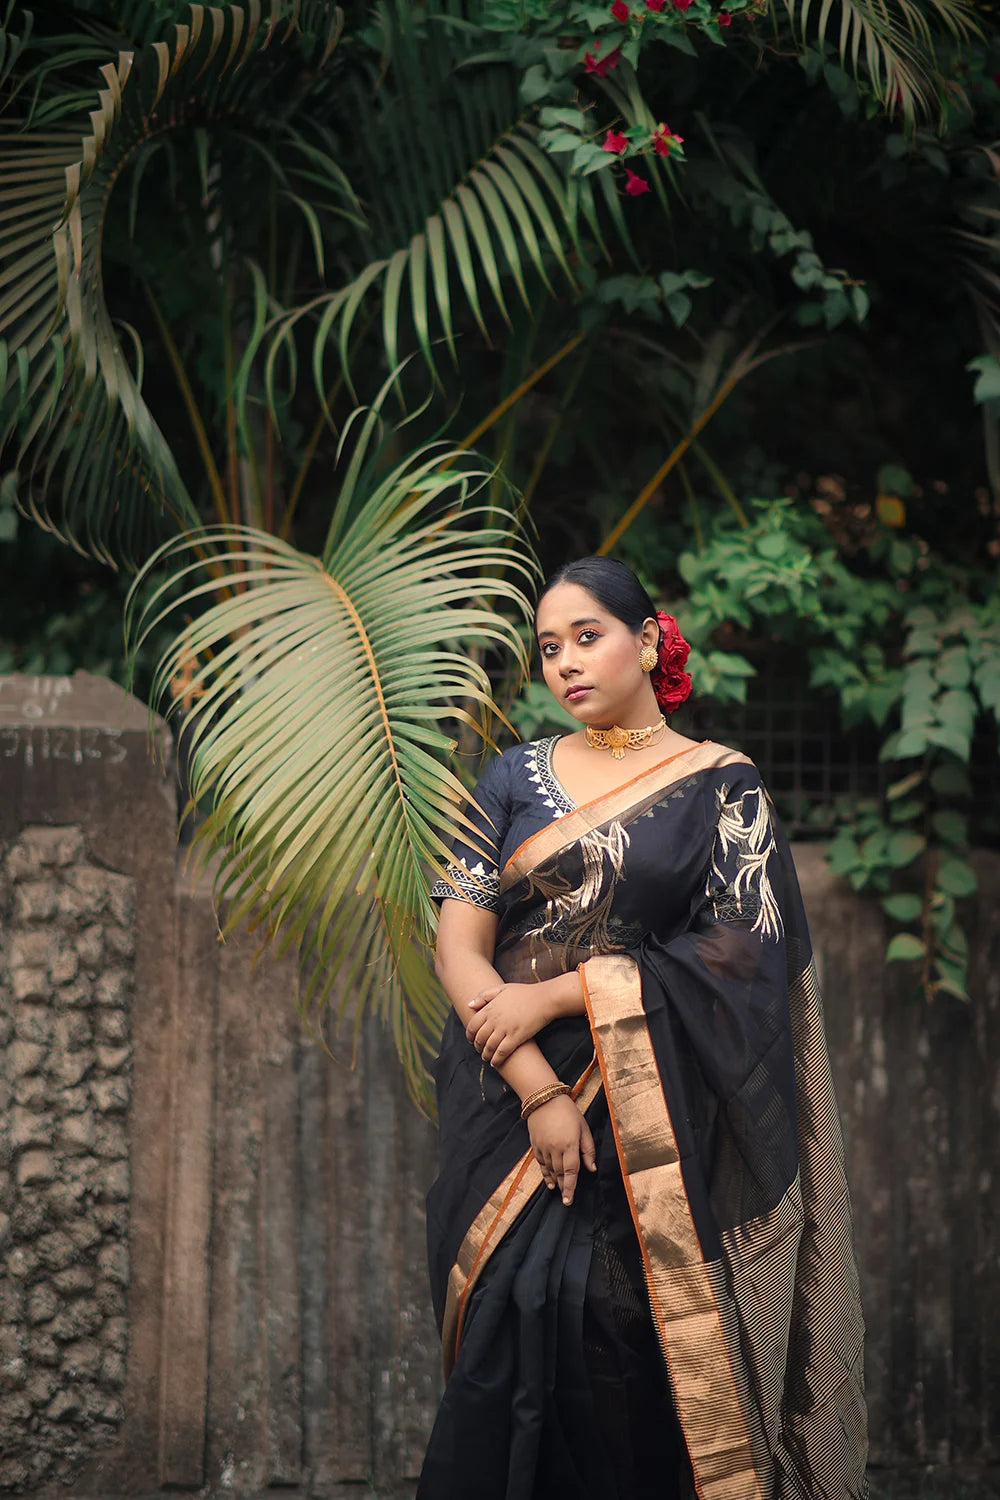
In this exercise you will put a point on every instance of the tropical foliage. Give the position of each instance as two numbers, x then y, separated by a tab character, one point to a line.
224	227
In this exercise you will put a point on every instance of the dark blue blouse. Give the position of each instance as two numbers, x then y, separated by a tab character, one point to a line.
519	793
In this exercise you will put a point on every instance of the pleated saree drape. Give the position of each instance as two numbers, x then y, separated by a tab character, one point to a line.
702	1289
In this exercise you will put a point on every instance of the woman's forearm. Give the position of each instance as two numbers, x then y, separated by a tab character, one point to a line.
463	977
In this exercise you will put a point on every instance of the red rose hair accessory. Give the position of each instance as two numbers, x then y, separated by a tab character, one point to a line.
671	684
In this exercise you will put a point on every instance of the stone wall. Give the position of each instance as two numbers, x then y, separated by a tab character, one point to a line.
66	949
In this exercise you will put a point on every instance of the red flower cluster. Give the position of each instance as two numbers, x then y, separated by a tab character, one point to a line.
635	184
658	4
664	138
615	141
671	684
724	18
620	10
594	63
682	4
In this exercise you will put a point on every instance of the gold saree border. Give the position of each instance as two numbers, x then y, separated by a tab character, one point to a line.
562	832
683	1301
498	1214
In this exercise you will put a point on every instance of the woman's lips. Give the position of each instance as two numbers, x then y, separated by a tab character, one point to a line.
576	692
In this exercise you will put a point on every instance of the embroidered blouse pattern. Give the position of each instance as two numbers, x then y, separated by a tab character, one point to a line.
476	879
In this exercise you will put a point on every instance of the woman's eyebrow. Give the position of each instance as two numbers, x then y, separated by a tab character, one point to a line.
574	625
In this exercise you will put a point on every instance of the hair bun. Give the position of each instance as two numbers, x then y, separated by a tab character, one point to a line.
671	684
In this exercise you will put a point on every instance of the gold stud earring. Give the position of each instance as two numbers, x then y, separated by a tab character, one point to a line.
648	657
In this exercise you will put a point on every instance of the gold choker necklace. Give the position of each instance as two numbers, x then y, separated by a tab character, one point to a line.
618	740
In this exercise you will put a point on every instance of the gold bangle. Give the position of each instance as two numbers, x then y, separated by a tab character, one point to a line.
542	1096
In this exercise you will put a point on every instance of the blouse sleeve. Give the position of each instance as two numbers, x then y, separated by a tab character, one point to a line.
475	869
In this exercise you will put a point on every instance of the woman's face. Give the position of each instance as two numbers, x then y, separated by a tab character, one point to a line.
590	658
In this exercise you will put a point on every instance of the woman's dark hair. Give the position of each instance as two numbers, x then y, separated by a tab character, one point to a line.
612	584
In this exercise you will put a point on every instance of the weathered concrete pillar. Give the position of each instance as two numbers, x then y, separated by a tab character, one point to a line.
87	832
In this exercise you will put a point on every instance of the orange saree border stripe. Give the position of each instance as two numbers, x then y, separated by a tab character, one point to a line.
561	832
498	1214
681	1296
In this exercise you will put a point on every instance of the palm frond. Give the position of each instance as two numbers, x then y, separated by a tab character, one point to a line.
318	735
895	40
83	378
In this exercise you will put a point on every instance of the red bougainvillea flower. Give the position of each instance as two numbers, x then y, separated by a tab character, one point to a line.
682	4
614	141
664	138
635	185
724	18
671	684
620	10
658	4
594	63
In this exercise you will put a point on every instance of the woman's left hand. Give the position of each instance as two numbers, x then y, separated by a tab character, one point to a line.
505	1017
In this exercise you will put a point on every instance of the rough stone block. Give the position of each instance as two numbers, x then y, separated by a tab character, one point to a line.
110	1298
76	1133
90	947
121	899
66	1196
74	1279
113	1059
112	1262
29	1216
116	1334
90	890
56	1250
111	1095
31	1092
112	987
30	1128
4	1229
111	1216
82	1359
112	1025
74	1101
111	1144
119	940
6	1027
40	1388
79	1320
53	846
35	1166
33	1023
12	1302
65	1405
21	1263
30	950
29	984
36	901
43	1304
13	1373
65	966
112	1375
85	1234
67	1068
22	863
72	1030
110	1411
43	1349
76	995
24	1057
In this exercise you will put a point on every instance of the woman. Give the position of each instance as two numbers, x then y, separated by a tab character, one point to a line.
640	1237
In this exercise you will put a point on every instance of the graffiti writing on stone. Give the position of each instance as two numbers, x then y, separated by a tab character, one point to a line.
35	744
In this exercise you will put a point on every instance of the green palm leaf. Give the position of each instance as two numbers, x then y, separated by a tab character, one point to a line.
318	735
895	39
55	184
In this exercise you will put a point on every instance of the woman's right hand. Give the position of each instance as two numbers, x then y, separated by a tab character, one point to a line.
561	1140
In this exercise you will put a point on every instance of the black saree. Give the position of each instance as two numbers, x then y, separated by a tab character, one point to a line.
693	1318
